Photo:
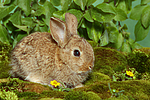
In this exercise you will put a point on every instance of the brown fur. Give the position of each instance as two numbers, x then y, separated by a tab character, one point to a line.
42	57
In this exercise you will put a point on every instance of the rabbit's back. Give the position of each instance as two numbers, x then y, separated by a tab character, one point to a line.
33	56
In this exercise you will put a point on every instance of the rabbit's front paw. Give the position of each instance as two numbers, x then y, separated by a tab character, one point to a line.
79	86
33	78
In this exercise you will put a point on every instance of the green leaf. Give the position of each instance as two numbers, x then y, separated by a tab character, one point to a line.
5	11
134	45
121	4
81	3
87	16
104	40
19	37
60	15
114	36
136	12
25	6
24	28
145	17
77	13
27	21
7	2
106	8
126	47
55	2
39	11
145	1
140	32
120	15
100	16
3	34
42	1
90	2
94	31
49	10
43	28
119	41
65	4
128	4
16	18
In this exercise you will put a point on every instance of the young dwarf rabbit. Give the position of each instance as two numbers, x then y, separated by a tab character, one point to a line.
60	55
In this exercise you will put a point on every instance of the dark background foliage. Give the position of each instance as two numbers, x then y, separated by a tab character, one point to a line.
98	20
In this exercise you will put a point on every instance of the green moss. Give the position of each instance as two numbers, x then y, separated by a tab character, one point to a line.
140	60
52	93
123	97
97	77
82	95
4	59
132	89
93	44
50	99
8	95
28	96
108	60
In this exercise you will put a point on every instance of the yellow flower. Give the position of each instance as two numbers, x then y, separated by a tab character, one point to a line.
55	83
129	73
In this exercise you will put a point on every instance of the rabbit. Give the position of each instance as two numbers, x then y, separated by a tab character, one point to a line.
60	55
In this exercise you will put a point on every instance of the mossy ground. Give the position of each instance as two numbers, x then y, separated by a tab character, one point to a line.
107	62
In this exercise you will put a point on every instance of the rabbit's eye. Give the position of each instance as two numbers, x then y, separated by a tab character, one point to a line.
76	53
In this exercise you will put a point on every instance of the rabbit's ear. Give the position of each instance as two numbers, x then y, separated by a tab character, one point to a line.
72	23
58	31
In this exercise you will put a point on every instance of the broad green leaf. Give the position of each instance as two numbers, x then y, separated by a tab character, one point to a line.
27	21
55	2
88	17
43	28
145	1
122	5
128	4
4	11
114	36
65	4
100	16
94	31
60	15
3	34
120	15
25	6
7	2
145	17
90	2
49	10
39	11
104	40
77	13
106	8
81	3
134	45
136	12
113	33
24	28
119	41
16	18
42	1
126	47
19	37
140	32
